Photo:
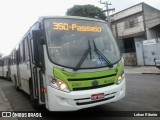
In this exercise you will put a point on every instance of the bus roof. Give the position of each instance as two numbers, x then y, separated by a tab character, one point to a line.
63	17
71	17
3	57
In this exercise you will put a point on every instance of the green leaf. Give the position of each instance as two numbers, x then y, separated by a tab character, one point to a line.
90	11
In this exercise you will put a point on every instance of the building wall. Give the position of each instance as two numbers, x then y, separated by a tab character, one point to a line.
151	16
145	25
127	12
151	33
130	59
152	19
123	30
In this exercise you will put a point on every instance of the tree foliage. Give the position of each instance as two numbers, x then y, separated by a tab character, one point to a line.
86	11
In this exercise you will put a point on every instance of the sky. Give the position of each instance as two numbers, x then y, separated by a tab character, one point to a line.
17	16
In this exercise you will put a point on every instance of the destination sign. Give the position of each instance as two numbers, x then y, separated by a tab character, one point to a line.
75	27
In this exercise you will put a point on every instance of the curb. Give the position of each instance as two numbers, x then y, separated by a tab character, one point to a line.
10	107
142	73
5	99
152	73
3	95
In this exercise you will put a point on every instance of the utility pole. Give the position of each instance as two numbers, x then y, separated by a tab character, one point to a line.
107	10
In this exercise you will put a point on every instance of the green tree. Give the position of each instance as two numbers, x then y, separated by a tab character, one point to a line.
86	11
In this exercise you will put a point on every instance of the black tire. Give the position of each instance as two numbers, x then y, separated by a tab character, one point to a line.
35	102
7	76
17	88
16	84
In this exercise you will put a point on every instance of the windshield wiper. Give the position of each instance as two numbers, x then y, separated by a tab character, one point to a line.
83	57
101	55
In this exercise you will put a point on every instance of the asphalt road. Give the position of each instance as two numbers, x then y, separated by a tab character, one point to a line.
142	94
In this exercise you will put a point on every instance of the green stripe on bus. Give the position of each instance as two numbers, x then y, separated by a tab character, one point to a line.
75	80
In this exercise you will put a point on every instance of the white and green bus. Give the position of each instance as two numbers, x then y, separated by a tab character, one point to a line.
69	63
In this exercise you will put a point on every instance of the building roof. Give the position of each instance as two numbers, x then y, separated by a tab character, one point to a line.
134	6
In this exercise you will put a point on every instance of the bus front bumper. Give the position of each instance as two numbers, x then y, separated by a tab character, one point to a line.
75	100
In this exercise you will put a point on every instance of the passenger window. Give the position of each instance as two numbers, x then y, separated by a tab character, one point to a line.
21	52
2	62
14	57
11	59
32	49
5	62
26	50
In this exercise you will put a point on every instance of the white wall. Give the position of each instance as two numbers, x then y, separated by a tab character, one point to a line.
123	31
127	12
150	33
152	16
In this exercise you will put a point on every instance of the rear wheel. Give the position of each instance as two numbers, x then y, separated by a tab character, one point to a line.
16	84
7	76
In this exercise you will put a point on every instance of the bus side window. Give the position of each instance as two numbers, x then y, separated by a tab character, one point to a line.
5	62
23	49
2	62
10	59
21	54
14	57
26	50
32	50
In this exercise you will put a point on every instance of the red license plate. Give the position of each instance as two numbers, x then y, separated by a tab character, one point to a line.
97	96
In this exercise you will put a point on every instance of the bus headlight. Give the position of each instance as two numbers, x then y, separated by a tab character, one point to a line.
59	84
120	78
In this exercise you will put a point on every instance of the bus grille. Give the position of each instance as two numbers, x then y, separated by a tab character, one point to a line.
91	79
100	77
92	87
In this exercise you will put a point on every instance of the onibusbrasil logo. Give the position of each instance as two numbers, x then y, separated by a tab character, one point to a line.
21	114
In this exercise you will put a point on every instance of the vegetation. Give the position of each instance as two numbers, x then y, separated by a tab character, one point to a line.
86	11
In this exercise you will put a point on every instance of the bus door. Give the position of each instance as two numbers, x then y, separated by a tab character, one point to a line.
37	56
33	81
38	69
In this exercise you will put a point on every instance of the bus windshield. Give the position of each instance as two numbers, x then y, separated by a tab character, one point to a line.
67	42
